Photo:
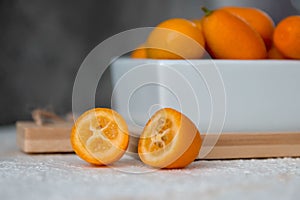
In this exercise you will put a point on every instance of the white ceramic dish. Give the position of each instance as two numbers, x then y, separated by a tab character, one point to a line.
234	95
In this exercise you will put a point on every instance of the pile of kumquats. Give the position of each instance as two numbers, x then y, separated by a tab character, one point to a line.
170	139
225	33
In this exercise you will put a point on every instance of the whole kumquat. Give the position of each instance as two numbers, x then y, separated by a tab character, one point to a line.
286	37
176	39
229	37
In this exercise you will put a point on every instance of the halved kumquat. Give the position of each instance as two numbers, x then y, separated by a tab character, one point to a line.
169	140
100	136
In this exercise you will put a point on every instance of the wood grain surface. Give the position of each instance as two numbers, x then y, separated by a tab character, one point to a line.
55	138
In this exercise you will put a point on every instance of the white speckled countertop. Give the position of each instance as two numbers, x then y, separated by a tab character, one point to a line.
65	176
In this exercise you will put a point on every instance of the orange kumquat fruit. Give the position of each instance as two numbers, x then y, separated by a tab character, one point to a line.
169	140
286	37
257	19
229	37
100	136
176	39
139	52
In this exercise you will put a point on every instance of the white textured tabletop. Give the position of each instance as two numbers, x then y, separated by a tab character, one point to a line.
65	176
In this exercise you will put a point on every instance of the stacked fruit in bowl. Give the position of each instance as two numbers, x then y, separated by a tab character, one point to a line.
225	33
170	139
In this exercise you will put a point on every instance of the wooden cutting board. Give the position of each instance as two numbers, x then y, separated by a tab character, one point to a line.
55	138
46	138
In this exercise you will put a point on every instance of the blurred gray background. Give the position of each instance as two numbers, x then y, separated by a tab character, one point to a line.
43	42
